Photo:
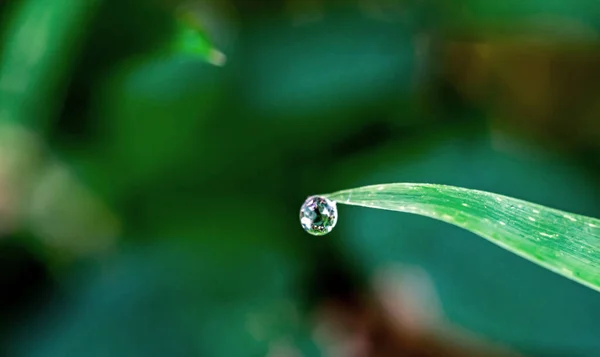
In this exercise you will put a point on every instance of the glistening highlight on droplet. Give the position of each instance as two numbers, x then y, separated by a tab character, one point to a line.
318	215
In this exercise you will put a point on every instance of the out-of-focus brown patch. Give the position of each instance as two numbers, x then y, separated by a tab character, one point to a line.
548	91
366	329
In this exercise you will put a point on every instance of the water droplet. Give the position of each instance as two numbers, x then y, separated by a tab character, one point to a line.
318	215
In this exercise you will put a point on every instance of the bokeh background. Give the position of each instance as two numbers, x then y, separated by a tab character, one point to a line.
154	155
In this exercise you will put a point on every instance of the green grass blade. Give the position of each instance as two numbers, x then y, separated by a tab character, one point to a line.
566	243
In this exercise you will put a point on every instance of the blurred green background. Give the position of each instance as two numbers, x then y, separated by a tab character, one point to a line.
154	155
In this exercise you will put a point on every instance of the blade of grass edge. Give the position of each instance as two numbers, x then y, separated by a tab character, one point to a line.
565	243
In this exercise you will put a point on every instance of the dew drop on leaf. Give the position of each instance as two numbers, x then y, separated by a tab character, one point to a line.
318	215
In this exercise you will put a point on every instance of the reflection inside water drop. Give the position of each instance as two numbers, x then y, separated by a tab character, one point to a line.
318	215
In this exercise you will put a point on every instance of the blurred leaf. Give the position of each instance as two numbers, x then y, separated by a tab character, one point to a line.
191	39
40	43
125	34
137	107
300	89
172	299
572	20
152	114
338	63
41	40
